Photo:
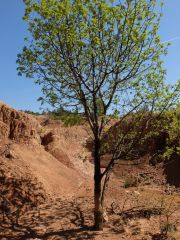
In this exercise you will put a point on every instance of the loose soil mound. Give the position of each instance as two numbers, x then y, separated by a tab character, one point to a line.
57	179
67	144
20	192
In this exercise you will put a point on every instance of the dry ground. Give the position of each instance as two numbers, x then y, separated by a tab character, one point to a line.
57	158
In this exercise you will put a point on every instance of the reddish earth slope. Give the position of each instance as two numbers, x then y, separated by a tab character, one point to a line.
20	145
46	152
67	144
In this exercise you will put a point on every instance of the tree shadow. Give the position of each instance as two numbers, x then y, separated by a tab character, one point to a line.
18	195
74	233
62	219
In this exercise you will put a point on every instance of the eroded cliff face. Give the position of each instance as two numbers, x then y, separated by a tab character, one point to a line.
17	126
48	153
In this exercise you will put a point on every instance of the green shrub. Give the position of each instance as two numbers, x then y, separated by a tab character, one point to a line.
71	119
67	117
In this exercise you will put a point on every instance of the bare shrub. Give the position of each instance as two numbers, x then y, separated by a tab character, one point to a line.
131	181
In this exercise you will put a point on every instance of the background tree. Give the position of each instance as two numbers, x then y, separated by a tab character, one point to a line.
100	56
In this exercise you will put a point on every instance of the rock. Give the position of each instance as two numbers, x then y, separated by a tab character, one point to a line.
17	126
4	131
105	217
136	192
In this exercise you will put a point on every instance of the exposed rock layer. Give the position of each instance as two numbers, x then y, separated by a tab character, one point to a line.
17	126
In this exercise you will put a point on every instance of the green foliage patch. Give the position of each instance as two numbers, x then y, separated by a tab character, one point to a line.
67	117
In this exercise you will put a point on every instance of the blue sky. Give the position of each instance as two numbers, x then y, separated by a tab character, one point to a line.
22	93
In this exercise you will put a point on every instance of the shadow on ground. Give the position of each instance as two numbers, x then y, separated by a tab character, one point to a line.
59	219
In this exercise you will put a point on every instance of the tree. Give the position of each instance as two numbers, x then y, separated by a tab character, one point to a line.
101	57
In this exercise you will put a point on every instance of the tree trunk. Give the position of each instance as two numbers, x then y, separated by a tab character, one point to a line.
98	210
105	187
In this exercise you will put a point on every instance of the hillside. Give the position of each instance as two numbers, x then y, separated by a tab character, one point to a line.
47	186
23	142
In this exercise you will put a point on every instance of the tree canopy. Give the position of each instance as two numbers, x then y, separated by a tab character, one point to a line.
93	47
99	56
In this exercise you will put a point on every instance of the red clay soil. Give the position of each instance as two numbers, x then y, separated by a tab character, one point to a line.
16	125
27	152
55	157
